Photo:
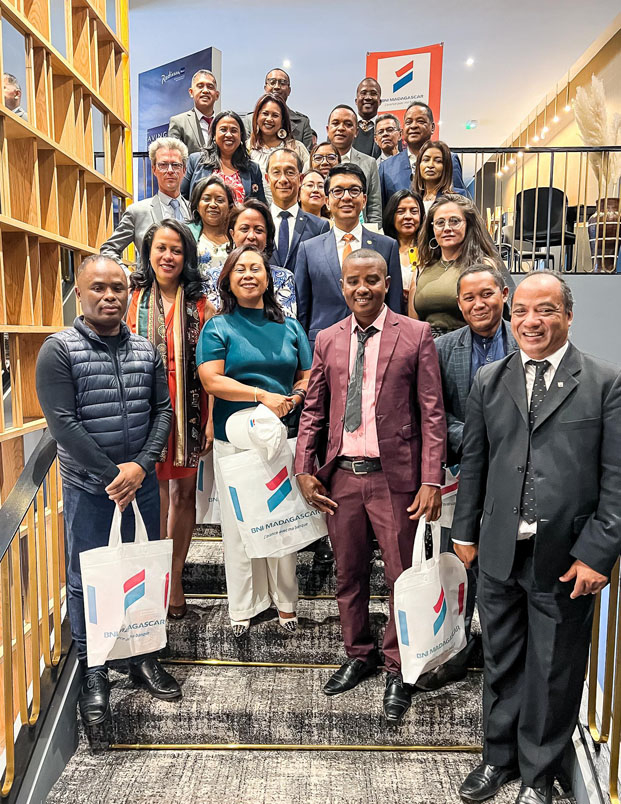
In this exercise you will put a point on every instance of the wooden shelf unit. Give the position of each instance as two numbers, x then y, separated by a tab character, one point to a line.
56	194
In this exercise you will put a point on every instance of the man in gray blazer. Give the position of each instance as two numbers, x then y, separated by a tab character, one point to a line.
538	502
169	158
481	295
192	127
342	128
278	82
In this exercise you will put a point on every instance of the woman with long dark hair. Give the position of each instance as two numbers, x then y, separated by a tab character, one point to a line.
227	157
211	203
251	353
169	308
433	176
452	238
403	217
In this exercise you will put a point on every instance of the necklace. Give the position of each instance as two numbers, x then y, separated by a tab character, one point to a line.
446	264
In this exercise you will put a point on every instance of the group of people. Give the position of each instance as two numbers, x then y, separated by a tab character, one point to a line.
263	279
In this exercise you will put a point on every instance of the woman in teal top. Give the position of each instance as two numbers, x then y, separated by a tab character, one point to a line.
248	354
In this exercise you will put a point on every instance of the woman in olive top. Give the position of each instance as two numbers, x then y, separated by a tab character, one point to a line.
249	353
452	238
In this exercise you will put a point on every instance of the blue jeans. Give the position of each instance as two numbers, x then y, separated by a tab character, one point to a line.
88	518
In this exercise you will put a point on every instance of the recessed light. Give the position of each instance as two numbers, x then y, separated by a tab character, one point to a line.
512	161
286	64
536	138
567	108
556	118
544	130
499	174
469	62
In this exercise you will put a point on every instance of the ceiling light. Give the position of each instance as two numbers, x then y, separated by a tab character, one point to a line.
470	124
499	174
544	130
469	62
286	64
520	154
512	161
536	138
504	168
556	118
567	108
527	145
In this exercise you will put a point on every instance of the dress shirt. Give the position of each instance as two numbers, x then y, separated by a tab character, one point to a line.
373	120
340	243
382	157
363	442
346	158
412	158
169	212
293	211
486	350
202	122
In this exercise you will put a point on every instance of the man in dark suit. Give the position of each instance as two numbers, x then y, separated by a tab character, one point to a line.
278	82
481	295
368	97
385	430
538	502
342	129
192	127
169	158
319	261
293	225
396	173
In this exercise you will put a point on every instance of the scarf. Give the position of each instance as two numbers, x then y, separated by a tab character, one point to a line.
151	324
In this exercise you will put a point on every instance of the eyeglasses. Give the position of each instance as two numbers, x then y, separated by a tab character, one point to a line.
313	185
164	167
389	130
277	82
330	158
339	192
454	223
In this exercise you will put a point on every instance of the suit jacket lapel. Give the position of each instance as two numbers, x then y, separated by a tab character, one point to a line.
298	229
462	358
563	383
196	126
332	259
342	344
388	340
515	383
510	340
157	209
405	166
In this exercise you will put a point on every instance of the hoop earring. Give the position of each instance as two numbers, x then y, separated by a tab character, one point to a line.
431	245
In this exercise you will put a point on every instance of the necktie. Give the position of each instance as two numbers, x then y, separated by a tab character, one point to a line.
348	249
207	120
353	404
283	236
176	208
528	508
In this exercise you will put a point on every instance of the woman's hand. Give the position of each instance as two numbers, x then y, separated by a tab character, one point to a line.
207	440
277	403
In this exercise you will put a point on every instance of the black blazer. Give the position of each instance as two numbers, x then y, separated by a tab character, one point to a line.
251	178
306	226
576	454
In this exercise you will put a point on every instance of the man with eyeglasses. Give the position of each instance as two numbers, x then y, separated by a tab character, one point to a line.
387	136
368	97
293	225
192	127
396	173
318	267
342	129
277	82
169	158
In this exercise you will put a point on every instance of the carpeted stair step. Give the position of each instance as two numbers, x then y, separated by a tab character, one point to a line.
267	777
204	572
269	706
205	633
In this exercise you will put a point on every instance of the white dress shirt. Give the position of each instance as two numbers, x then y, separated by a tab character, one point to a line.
526	530
346	158
412	158
168	210
278	220
203	124
341	243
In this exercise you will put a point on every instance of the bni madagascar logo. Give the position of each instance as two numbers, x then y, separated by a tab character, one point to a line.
134	589
281	486
404	75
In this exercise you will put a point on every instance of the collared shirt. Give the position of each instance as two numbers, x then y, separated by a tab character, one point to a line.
486	350
204	123
278	220
346	157
363	442
382	157
412	158
169	212
372	121
341	243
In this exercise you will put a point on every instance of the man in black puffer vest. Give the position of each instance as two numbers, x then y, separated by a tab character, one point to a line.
104	394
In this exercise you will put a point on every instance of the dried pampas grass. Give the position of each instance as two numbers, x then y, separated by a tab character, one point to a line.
592	120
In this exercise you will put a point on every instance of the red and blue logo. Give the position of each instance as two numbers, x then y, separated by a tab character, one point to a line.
440	610
404	75
134	589
281	486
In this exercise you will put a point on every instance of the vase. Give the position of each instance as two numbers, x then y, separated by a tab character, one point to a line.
604	235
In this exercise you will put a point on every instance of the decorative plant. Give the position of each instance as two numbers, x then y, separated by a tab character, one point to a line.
592	120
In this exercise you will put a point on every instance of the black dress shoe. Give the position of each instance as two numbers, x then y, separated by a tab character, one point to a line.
94	698
534	795
485	781
397	698
323	552
150	673
350	674
441	676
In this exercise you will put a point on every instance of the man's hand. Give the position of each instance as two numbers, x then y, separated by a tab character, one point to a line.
207	440
427	503
123	488
466	553
588	581
315	494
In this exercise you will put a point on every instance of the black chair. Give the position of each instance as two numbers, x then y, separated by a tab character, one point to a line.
551	220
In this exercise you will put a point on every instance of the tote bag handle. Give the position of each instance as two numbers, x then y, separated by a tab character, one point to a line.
418	553
140	533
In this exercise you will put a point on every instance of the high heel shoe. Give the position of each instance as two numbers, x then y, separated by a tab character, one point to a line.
177	612
240	627
289	624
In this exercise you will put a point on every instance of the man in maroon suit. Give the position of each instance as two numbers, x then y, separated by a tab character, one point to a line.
375	395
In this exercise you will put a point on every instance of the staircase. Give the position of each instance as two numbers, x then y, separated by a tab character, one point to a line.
254	726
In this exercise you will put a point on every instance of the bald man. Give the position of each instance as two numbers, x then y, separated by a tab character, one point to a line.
105	397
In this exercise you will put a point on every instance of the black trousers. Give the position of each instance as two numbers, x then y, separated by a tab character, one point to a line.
535	648
462	658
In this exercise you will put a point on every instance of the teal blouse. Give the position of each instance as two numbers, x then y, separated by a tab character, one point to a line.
256	352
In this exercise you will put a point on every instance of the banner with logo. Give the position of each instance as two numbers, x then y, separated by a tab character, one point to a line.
272	516
407	76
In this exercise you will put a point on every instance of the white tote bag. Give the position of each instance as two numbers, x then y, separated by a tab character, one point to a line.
449	495
429	604
207	502
273	518
125	594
